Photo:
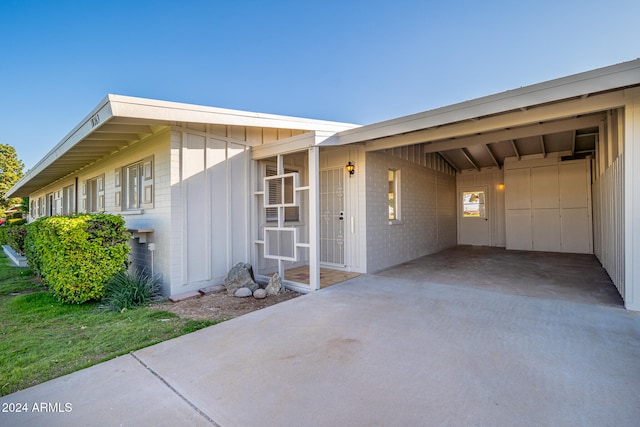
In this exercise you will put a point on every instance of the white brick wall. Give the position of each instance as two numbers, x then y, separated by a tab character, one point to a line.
427	209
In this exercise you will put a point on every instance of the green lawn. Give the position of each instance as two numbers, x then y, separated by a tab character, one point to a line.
41	338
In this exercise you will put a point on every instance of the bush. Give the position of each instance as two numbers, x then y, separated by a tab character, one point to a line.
126	290
76	256
14	236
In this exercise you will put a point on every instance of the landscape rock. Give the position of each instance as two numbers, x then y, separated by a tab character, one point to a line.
240	276
212	289
275	285
260	294
242	293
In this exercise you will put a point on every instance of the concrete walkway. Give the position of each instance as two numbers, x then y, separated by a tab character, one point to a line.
387	349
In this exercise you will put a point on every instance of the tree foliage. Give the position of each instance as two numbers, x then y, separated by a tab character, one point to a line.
11	170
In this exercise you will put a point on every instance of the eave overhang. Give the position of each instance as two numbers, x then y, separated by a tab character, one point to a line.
120	121
520	103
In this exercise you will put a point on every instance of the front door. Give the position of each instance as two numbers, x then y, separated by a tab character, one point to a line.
332	216
473	217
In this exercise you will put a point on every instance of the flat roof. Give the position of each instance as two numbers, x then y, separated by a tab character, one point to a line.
603	79
118	120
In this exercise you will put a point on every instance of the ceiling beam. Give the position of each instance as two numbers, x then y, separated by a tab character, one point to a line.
515	149
448	160
495	161
98	148
119	120
515	133
103	136
123	128
469	159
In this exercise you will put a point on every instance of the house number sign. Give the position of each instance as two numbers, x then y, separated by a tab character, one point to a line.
95	120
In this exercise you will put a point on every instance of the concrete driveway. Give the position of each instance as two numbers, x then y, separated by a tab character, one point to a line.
387	349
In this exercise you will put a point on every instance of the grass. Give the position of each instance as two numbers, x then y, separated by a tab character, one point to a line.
42	338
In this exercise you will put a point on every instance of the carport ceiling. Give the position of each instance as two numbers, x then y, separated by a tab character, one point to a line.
573	144
573	138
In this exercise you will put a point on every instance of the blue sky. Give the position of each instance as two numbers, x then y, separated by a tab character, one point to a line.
352	61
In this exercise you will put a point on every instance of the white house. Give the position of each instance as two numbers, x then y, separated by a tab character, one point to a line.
548	167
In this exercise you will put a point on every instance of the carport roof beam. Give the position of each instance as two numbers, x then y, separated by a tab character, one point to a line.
495	161
469	159
515	149
542	147
446	159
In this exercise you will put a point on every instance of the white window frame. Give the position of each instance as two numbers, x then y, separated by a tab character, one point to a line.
93	194
68	200
135	193
394	189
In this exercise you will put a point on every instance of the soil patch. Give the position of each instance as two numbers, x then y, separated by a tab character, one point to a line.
220	306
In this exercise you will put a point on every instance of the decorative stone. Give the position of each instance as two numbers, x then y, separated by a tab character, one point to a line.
240	276
212	289
275	285
260	294
242	293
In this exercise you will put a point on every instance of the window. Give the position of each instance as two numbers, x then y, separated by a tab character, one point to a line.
473	204
134	185
50	210
275	191
68	200
394	194
93	193
41	206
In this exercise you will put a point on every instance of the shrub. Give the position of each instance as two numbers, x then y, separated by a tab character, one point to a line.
15	236
127	290
76	256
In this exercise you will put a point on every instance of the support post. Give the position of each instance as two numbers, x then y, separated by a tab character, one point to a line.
314	218
632	202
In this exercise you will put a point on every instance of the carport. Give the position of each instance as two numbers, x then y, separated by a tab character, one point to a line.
551	167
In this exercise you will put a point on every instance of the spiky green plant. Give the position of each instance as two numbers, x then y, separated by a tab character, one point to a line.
127	290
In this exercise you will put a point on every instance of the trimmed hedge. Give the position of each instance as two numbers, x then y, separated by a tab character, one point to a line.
76	256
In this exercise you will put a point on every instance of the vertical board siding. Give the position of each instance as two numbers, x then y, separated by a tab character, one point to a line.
415	154
608	201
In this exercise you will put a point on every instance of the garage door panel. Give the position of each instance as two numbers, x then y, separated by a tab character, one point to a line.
544	187
574	185
576	237
518	222
517	185
546	223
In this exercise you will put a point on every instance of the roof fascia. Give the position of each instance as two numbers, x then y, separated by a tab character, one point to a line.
96	118
599	80
293	144
120	106
142	108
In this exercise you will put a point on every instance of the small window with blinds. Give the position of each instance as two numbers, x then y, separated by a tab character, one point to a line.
280	191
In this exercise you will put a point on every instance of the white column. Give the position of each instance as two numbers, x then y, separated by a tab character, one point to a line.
632	202
314	218
280	171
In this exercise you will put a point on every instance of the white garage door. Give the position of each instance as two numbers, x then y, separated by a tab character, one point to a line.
548	206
